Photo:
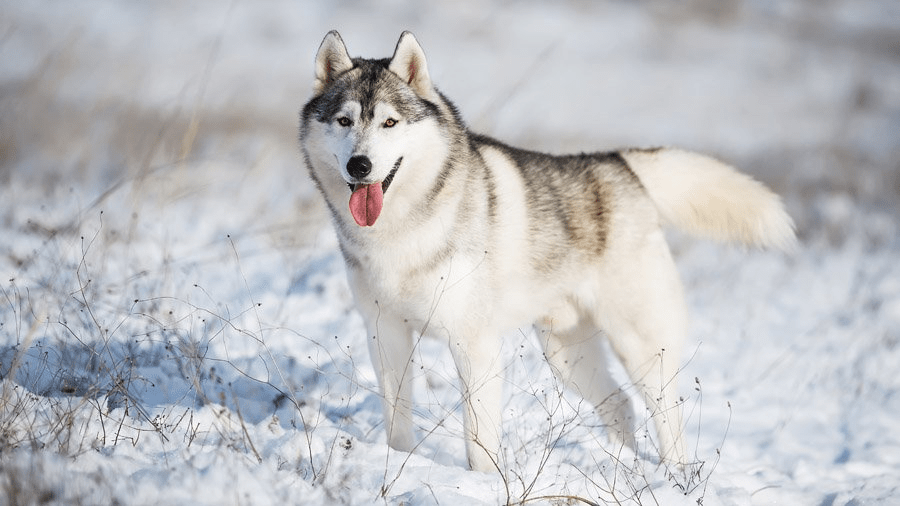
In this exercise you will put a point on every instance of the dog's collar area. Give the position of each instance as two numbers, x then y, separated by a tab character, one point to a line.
384	184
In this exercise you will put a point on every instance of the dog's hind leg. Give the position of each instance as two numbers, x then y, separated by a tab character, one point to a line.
390	348
645	319
573	346
480	369
653	367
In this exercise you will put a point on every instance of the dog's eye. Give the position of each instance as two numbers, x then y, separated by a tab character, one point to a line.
389	123
344	121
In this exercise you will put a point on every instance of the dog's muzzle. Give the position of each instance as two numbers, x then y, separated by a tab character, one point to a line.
366	199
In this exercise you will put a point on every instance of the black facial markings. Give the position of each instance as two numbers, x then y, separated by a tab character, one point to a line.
491	186
370	82
390	177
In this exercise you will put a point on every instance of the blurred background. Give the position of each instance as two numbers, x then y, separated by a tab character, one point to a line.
803	94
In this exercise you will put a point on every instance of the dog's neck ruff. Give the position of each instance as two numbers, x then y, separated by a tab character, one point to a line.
367	199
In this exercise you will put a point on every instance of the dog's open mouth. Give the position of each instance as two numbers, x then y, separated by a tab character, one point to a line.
366	200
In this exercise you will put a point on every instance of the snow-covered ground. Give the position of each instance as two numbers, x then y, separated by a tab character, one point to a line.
175	326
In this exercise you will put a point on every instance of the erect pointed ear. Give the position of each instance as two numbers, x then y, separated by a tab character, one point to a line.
331	60
409	63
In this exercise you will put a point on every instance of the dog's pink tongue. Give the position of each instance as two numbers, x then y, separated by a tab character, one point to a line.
365	204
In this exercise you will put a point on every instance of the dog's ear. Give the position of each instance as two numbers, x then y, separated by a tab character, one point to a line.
331	60
409	63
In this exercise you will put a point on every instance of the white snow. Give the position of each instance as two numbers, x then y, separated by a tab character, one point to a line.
175	326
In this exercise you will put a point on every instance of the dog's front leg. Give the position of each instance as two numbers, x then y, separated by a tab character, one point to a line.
480	372
390	348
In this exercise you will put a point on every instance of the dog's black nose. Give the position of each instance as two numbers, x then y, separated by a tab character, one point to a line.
359	166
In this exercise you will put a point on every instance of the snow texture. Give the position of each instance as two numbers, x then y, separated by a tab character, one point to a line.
176	327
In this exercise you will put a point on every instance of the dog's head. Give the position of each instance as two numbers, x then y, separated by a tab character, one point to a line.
364	124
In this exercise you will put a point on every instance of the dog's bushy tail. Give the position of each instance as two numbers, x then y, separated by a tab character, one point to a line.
705	197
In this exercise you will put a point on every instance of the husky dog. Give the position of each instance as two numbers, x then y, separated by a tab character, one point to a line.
454	234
